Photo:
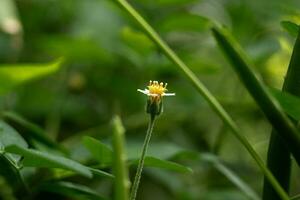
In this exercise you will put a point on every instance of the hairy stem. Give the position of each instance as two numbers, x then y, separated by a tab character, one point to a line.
138	174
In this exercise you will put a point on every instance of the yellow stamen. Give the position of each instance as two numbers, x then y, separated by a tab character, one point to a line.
157	88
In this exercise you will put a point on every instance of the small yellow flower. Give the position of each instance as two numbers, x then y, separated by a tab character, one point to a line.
155	92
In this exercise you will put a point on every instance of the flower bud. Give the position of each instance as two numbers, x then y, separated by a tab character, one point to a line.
154	107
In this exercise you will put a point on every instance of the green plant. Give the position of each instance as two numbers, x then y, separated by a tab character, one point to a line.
60	137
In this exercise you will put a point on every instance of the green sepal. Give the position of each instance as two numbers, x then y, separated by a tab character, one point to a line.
154	107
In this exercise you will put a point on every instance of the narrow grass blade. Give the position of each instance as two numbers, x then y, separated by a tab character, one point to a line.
230	175
122	183
279	160
212	101
266	102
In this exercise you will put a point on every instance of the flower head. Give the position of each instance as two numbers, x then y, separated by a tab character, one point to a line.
155	92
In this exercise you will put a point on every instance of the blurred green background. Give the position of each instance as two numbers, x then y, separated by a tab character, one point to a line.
107	58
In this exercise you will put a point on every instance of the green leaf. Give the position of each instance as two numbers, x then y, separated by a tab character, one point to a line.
137	40
34	158
258	90
157	154
184	23
11	173
62	173
165	164
161	150
17	74
289	102
167	3
9	136
291	27
100	173
9	162
100	151
35	131
72	190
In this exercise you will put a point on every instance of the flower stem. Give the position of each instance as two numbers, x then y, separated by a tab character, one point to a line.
138	174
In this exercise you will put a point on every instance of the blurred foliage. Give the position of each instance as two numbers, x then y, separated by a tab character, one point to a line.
107	57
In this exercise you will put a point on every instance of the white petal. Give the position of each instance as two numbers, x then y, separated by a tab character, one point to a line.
168	94
143	91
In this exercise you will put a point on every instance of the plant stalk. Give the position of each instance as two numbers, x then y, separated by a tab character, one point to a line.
138	174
